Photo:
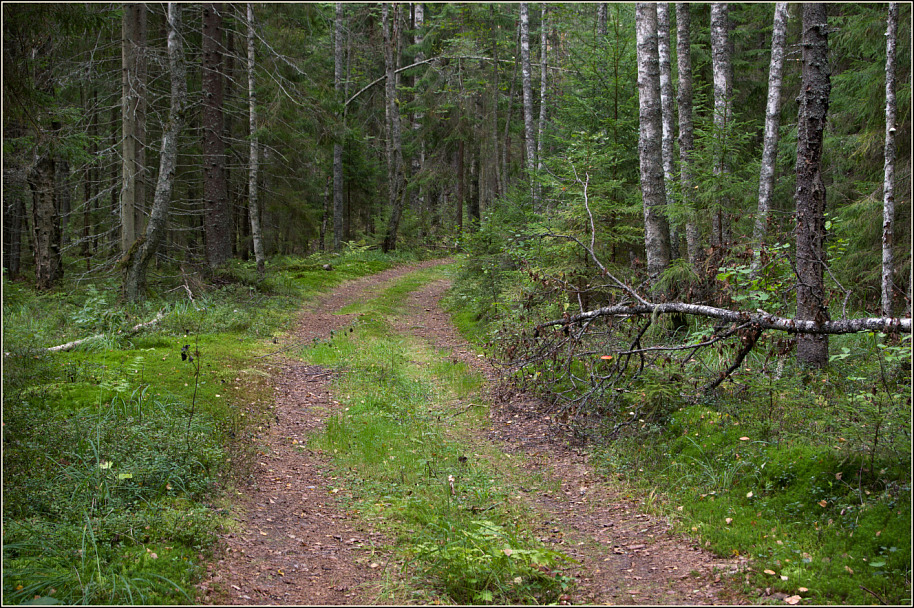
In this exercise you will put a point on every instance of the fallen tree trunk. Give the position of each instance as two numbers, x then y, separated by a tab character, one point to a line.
761	319
133	330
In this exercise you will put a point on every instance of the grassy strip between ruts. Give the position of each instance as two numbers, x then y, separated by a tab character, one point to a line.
117	456
448	509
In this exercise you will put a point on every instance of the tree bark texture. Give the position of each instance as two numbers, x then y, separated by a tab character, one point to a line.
888	185
723	91
461	183
810	191
338	145
526	85
772	123
142	252
45	223
686	132
761	320
218	224
601	19
15	185
254	168
666	108
653	193
418	161
391	26
543	81
133	123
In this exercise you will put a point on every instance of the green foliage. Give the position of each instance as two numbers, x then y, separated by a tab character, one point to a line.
117	454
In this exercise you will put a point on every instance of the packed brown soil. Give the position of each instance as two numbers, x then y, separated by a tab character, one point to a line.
295	544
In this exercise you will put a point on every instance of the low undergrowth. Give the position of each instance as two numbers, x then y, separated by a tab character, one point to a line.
117	455
806	472
452	517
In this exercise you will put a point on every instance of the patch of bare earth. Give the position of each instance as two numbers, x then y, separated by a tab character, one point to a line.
626	556
297	545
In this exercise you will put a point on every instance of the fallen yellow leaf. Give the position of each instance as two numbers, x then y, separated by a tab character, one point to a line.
729	520
802	589
793	599
769	572
848	568
744	439
823	503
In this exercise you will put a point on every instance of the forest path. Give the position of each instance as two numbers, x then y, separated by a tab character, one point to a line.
296	544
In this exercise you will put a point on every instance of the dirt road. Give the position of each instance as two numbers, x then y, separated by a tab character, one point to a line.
296	545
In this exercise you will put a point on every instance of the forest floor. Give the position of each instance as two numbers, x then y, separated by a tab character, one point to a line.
297	544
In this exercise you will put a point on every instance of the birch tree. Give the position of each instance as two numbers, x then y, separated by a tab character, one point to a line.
218	224
543	82
888	196
144	249
723	85
653	193
815	87
666	108
772	123
338	145
254	159
529	141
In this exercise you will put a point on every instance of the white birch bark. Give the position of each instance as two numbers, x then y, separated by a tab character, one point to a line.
543	72
666	107
143	250
653	193
529	138
888	197
772	123
254	168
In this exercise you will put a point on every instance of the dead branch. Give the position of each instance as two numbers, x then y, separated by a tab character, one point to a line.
133	330
762	319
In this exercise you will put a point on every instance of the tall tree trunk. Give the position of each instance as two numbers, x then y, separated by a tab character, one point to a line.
133	123
666	107
461	184
254	168
218	224
418	161
45	222
686	133
601	19
543	81
338	144
810	194
473	213
142	252
529	138
653	193
888	196
723	79
325	215
394	149
506	148
13	218
772	122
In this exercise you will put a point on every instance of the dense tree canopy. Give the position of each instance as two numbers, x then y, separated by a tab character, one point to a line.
433	106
